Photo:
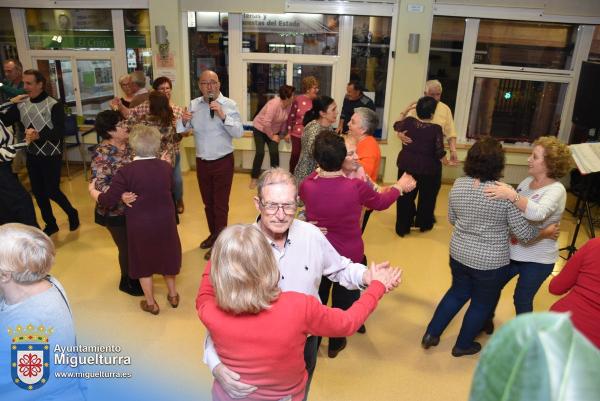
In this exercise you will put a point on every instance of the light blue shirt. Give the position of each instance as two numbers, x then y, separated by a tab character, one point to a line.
213	136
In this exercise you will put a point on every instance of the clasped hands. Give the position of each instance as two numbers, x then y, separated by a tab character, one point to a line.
389	276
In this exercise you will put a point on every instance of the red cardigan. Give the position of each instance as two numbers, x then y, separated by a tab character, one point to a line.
581	275
267	349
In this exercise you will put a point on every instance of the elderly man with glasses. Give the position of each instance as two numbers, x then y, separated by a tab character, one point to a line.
303	255
215	120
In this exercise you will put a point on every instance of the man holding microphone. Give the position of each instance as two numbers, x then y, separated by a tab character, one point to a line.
215	120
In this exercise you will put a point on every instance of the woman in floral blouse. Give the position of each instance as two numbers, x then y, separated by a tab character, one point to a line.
145	113
110	155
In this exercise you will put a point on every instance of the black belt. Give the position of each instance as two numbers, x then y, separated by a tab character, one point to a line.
216	160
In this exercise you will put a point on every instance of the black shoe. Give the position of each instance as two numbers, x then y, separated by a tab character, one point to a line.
488	327
74	220
425	229
207	243
362	329
473	349
429	341
130	286
402	233
207	254
332	353
52	229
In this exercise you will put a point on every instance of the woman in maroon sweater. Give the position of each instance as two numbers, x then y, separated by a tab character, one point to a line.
581	276
259	331
335	202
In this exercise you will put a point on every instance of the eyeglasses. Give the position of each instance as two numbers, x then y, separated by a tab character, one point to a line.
272	208
209	83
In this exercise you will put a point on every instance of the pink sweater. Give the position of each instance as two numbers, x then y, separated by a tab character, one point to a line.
301	105
272	118
336	203
267	349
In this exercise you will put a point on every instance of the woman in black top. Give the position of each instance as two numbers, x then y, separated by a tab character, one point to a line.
421	159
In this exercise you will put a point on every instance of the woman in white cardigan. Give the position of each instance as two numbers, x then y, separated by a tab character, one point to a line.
541	199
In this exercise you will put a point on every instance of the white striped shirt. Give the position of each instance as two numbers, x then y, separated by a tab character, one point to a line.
545	207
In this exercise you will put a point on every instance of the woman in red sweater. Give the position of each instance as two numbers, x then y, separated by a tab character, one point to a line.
581	275
259	331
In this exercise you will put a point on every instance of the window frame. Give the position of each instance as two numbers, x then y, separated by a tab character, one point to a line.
340	63
470	70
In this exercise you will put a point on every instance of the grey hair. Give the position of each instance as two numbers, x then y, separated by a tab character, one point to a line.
138	78
369	119
274	176
145	140
25	252
433	84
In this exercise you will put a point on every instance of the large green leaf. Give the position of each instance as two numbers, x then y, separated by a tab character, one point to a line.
538	357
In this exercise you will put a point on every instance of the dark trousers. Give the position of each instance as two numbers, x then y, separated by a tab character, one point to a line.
260	139
481	287
421	215
215	178
341	297
366	220
16	205
119	236
295	155
44	175
531	277
311	348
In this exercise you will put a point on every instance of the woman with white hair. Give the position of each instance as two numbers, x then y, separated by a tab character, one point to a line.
32	303
152	238
261	330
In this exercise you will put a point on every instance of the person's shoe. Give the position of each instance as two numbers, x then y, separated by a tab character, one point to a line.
207	254
362	329
179	206
74	221
429	341
253	183
130	286
473	349
488	327
425	229
332	353
50	229
154	309
207	243
173	301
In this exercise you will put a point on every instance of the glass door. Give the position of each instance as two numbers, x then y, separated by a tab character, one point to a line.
85	86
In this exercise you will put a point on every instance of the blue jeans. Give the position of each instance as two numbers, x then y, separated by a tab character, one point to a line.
531	277
177	179
481	287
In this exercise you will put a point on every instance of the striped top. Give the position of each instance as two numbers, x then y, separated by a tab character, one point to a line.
545	207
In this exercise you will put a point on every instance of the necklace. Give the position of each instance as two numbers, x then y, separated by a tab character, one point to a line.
330	174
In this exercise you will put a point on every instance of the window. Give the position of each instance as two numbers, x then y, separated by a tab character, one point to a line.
290	33
514	110
519	81
370	57
445	55
137	41
8	50
72	29
208	48
525	44
264	81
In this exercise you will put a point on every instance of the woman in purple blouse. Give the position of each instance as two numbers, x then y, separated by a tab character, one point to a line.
336	202
422	159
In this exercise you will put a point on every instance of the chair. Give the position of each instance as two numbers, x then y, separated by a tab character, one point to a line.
72	131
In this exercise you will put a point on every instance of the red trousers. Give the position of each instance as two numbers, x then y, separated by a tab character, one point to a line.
214	179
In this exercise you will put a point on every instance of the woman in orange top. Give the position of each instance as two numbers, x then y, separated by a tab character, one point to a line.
361	127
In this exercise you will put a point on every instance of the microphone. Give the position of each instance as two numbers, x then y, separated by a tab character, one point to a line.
210	100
